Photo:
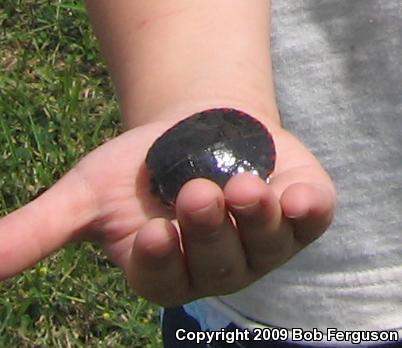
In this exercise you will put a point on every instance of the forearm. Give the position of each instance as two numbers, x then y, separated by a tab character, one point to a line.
172	58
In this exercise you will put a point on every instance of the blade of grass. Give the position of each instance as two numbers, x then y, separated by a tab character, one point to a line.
36	137
4	321
72	6
7	134
3	205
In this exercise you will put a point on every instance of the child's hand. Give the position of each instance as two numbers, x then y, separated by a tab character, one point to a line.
106	198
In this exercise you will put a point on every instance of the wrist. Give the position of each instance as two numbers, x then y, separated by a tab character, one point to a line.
262	109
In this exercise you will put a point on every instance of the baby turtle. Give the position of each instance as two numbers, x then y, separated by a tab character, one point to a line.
214	144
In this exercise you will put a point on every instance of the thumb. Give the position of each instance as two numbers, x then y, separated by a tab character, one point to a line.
44	225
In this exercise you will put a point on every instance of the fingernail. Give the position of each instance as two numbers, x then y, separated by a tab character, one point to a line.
298	215
204	212
247	207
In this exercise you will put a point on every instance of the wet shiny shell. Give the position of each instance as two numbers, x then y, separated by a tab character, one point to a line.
214	144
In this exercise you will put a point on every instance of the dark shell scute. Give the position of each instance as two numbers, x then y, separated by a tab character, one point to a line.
214	144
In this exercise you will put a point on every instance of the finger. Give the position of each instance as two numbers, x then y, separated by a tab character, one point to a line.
211	244
44	225
311	209
267	238
156	269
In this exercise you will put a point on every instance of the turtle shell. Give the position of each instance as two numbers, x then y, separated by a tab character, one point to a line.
214	144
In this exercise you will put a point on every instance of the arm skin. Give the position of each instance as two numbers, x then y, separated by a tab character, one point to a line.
177	57
168	60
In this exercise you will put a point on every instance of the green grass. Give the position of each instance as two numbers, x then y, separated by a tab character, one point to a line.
56	104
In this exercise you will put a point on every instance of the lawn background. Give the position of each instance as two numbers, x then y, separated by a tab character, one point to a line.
57	104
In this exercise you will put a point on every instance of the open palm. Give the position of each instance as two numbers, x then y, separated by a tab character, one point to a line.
214	243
